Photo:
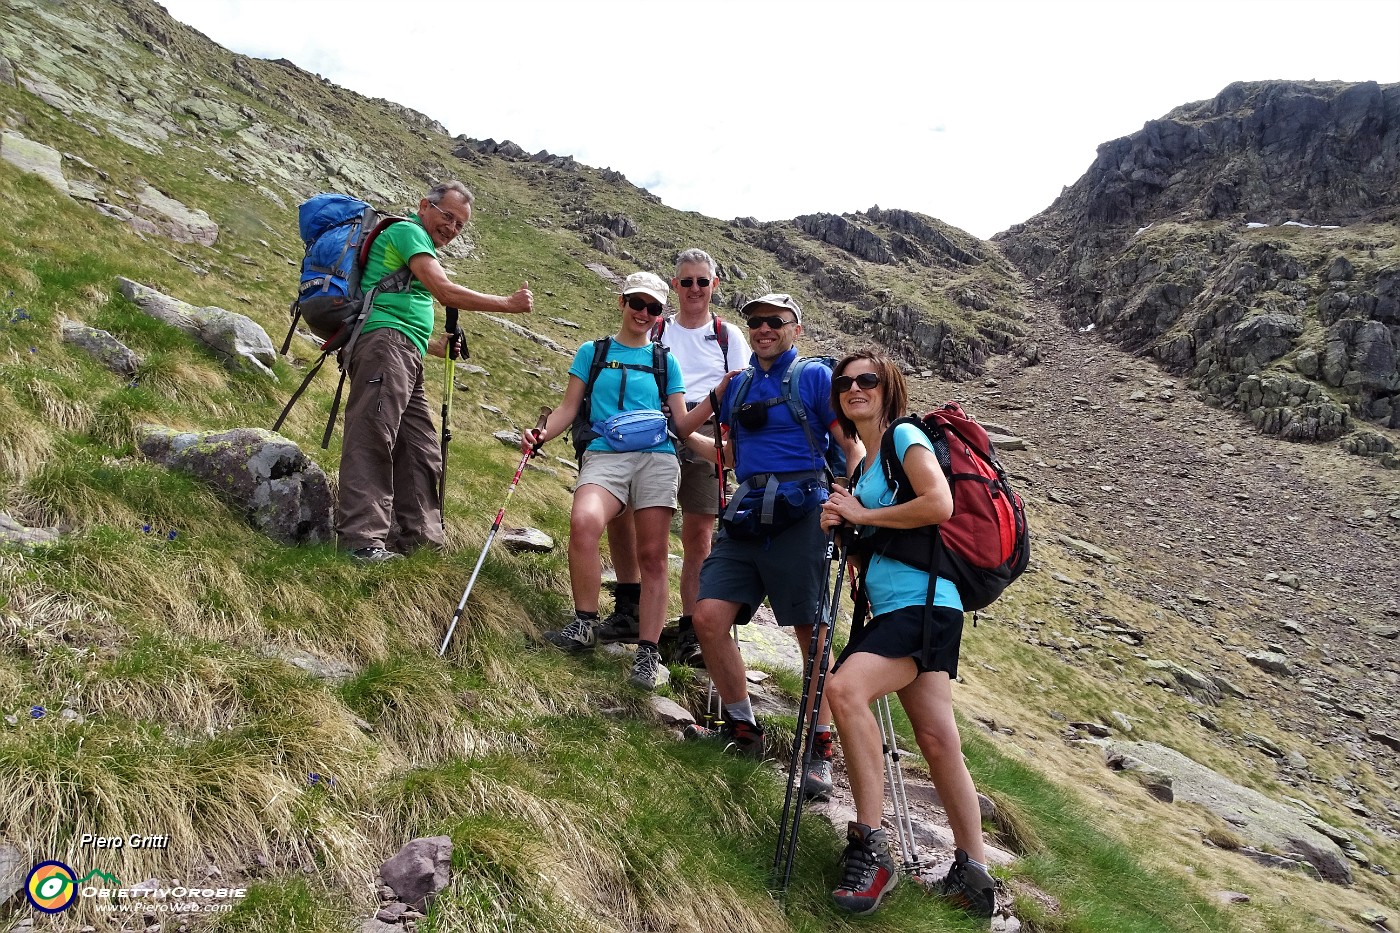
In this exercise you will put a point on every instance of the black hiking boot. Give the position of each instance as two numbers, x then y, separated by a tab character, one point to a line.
687	650
622	626
867	869
969	887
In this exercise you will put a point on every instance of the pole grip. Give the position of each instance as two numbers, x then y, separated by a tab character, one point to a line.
451	331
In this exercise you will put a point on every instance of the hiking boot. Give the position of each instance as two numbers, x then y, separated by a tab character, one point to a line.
647	671
621	626
578	635
740	737
687	650
969	887
867	869
374	554
816	783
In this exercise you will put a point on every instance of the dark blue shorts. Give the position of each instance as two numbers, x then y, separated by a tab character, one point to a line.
786	568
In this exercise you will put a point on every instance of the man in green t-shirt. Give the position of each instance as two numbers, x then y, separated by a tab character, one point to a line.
390	460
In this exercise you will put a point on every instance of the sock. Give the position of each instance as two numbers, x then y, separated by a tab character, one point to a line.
590	616
976	864
741	710
629	594
686	624
648	644
820	729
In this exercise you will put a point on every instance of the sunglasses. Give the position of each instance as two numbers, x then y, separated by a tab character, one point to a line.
654	308
702	282
842	384
773	321
456	222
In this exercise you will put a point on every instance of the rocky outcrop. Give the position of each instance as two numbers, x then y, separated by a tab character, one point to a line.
1243	237
1259	820
266	477
236	338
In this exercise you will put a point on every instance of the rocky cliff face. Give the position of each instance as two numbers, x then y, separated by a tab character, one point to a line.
1249	241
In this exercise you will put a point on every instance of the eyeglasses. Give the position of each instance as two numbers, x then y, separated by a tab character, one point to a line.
842	384
456	222
702	282
654	308
773	321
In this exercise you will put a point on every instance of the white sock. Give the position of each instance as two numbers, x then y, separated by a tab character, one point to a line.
977	864
741	710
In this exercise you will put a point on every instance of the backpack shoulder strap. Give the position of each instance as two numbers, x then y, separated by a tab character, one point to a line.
792	383
660	364
658	329
721	338
890	463
600	359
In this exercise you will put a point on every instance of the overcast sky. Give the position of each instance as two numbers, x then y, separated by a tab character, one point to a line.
976	113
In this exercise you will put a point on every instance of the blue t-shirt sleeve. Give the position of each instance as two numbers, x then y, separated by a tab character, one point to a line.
907	435
675	379
583	361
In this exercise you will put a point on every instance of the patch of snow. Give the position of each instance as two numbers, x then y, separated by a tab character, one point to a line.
1254	226
1086	328
1297	223
1142	230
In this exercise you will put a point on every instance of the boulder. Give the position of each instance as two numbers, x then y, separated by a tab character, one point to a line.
235	338
1259	820
35	158
101	346
13	532
421	869
526	539
266	477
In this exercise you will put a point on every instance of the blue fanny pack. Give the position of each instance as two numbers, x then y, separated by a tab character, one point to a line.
633	430
766	505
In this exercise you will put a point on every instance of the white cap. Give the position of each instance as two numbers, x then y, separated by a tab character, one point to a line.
647	284
775	300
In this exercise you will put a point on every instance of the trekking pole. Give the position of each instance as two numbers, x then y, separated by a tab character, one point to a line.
898	793
713	712
449	372
804	740
495	527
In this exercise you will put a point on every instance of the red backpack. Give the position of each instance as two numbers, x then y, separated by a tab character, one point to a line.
986	544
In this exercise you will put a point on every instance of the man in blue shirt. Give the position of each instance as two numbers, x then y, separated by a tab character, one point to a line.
771	544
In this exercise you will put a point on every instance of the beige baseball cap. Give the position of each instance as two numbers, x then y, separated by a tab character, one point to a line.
774	300
647	284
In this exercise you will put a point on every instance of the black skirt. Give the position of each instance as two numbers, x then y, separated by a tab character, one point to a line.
900	634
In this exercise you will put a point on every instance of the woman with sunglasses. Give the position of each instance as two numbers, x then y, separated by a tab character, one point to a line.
619	469
889	655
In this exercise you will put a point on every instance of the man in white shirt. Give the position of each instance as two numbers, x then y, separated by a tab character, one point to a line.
706	348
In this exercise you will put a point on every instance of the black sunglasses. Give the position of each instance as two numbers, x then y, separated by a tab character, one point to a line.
702	282
842	384
654	308
774	321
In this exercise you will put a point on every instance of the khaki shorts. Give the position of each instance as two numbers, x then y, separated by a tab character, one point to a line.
699	490
642	479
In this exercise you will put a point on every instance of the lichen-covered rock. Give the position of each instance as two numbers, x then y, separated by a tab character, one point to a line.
174	220
237	338
266	477
102	346
29	156
13	532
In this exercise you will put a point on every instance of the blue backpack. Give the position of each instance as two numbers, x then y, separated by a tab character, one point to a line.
338	231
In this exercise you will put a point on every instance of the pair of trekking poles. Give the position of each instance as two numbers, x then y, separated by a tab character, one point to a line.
804	738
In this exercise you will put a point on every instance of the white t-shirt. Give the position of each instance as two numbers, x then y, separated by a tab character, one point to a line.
698	353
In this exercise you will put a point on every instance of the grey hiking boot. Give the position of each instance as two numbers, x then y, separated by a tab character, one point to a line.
817	783
969	887
621	626
647	671
578	635
373	555
867	869
739	736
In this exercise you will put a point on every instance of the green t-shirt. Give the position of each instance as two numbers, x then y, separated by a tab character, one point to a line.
412	311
